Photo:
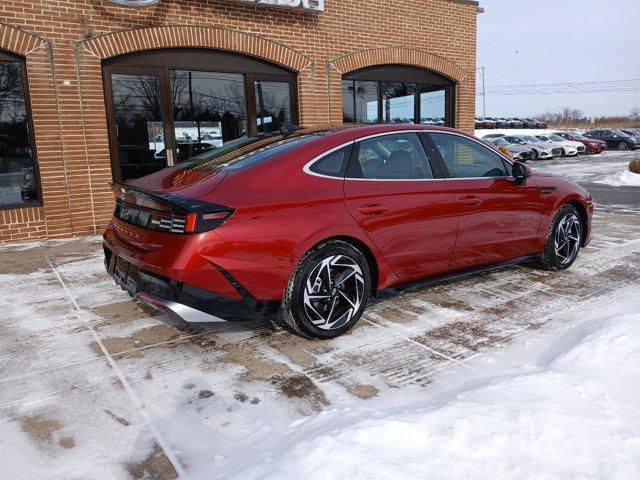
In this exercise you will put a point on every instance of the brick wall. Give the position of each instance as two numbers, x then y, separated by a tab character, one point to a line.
64	42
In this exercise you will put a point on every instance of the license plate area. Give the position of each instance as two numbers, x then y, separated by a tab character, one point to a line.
126	274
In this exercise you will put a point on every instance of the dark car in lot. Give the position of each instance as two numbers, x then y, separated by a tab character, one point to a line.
515	123
614	138
500	122
591	144
317	222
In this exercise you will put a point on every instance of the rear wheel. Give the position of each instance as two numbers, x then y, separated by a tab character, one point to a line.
535	155
327	291
563	240
623	146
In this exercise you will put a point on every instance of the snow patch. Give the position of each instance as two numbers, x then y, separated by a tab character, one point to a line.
558	406
626	178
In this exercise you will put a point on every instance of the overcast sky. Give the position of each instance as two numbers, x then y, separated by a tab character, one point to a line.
524	43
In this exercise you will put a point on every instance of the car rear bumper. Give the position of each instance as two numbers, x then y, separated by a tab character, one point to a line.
181	300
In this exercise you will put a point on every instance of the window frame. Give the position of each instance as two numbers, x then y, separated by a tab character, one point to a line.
354	171
395	73
162	61
12	57
447	174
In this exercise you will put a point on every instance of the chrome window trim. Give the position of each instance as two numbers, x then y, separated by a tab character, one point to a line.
307	167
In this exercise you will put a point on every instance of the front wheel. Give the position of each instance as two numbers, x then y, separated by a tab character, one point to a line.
327	291
563	240
535	155
623	146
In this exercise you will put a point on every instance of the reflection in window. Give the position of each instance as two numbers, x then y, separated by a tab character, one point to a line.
18	176
136	99
273	105
393	157
398	102
432	104
466	158
209	109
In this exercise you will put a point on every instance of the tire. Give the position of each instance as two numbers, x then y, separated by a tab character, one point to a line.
563	153
623	146
535	155
312	307
566	223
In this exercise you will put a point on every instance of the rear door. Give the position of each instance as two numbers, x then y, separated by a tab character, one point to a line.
498	218
398	196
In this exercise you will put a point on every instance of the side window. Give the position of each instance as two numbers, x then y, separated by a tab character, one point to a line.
331	164
392	157
465	158
19	182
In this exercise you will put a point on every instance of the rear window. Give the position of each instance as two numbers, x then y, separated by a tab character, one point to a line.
247	151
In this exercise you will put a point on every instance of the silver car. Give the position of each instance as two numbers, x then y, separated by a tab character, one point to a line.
542	150
569	147
519	152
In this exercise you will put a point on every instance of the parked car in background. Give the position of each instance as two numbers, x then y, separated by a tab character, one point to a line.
542	150
479	123
494	135
189	241
569	147
591	144
488	123
500	122
634	132
515	123
186	150
521	153
529	123
614	138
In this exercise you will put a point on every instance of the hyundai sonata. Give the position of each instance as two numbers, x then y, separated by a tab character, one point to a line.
318	221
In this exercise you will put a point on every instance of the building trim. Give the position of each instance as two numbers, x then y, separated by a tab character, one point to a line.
188	36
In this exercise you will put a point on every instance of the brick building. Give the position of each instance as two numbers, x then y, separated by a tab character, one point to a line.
92	91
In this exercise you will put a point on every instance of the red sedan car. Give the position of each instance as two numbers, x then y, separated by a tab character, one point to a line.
318	221
592	145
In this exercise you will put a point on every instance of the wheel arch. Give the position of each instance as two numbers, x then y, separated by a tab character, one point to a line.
378	267
584	216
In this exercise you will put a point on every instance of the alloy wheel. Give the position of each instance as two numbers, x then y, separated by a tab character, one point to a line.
622	146
334	292
567	239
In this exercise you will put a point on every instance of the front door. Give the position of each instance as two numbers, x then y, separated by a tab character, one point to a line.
498	218
394	192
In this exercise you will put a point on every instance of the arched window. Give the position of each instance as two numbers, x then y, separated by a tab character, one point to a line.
398	94
19	176
166	106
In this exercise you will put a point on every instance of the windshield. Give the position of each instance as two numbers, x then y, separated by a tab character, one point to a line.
530	139
499	142
247	151
620	133
556	138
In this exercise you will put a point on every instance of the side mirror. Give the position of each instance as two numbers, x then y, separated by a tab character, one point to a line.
520	172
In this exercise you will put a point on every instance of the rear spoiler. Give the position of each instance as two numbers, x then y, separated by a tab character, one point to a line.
166	211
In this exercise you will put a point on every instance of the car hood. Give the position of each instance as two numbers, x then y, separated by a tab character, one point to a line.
518	148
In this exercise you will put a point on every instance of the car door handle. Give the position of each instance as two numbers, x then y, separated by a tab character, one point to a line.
372	209
471	201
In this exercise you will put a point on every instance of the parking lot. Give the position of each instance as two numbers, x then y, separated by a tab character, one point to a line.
95	386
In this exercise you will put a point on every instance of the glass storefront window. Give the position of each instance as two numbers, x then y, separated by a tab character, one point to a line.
366	94
19	182
138	119
208	109
273	105
397	94
348	114
432	104
398	102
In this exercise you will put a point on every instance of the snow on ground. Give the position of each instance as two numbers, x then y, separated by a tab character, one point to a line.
627	178
563	404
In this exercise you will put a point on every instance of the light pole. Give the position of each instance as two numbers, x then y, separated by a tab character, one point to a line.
484	97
